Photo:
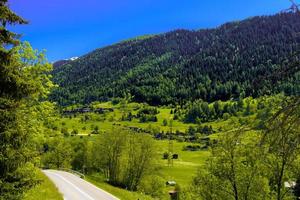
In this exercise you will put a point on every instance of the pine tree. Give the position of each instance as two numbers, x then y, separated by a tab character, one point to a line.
23	83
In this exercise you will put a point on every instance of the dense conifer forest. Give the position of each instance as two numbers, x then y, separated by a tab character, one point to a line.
232	61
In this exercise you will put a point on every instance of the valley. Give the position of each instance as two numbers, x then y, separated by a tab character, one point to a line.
199	114
84	125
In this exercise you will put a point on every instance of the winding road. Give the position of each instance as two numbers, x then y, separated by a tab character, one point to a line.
74	188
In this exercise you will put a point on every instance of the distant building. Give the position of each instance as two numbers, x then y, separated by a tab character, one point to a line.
171	183
291	184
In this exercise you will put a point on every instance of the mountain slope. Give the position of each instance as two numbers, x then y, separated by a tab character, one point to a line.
212	64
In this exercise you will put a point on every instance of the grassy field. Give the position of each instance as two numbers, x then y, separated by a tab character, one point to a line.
45	191
184	168
181	171
106	121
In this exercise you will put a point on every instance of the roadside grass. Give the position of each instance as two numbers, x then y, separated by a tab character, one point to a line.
122	194
44	191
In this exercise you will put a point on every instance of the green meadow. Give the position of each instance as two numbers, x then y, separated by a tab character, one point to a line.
182	170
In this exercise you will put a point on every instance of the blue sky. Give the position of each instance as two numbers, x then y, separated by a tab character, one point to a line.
67	28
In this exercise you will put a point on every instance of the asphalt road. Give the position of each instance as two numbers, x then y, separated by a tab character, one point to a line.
74	188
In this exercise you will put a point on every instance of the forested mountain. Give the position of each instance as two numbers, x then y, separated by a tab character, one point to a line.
230	61
60	63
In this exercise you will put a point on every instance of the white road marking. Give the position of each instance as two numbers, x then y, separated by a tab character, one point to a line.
79	190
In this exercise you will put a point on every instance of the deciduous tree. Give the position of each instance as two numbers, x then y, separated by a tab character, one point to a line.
24	81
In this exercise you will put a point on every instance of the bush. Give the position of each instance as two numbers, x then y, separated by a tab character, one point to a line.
165	122
147	114
165	155
207	130
147	118
96	130
148	111
74	132
191	131
226	116
115	101
153	186
127	117
65	132
192	148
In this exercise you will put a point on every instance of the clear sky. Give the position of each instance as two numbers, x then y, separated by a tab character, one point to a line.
67	28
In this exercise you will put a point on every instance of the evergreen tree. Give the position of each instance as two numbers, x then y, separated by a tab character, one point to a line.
23	83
